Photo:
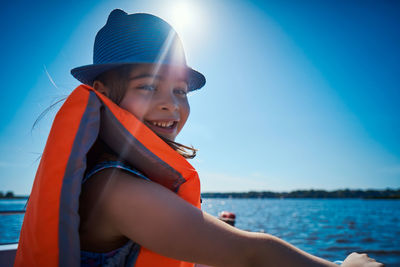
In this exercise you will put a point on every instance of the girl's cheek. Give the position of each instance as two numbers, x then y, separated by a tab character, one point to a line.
185	111
186	108
135	105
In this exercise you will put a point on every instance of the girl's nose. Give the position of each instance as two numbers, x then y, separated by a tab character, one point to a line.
168	102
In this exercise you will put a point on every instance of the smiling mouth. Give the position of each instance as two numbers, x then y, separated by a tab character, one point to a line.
162	126
169	124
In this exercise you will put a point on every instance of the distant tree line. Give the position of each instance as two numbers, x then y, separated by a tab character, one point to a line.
10	194
345	193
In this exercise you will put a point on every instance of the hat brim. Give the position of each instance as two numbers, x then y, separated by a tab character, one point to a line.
88	73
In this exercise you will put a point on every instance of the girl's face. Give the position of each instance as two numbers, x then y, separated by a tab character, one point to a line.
158	97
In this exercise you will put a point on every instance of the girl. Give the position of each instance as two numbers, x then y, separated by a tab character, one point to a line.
138	196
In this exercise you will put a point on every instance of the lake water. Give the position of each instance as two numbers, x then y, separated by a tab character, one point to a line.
328	228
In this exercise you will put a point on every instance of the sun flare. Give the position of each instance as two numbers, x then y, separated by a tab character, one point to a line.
182	15
185	16
190	19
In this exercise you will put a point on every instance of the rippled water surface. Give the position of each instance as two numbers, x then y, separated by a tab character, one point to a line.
327	228
10	224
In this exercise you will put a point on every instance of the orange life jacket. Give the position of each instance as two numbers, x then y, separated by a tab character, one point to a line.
50	231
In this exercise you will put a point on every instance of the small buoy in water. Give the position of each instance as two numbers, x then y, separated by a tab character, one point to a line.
228	217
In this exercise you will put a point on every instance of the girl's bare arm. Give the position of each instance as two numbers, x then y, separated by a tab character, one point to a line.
161	221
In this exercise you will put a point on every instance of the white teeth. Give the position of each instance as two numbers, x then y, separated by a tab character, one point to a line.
163	124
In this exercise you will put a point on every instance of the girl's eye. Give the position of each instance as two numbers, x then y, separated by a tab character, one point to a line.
181	91
147	87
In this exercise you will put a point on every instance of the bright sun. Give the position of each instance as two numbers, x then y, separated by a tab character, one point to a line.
187	17
184	16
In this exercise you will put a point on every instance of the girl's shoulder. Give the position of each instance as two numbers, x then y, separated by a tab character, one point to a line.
109	164
96	231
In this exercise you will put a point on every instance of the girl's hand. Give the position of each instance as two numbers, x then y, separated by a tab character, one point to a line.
362	260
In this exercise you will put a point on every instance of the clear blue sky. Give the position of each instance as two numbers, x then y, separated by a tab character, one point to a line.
298	95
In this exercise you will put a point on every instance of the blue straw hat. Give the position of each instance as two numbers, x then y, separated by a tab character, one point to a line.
136	38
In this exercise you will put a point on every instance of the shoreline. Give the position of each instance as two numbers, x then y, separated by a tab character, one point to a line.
296	194
15	197
317	194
